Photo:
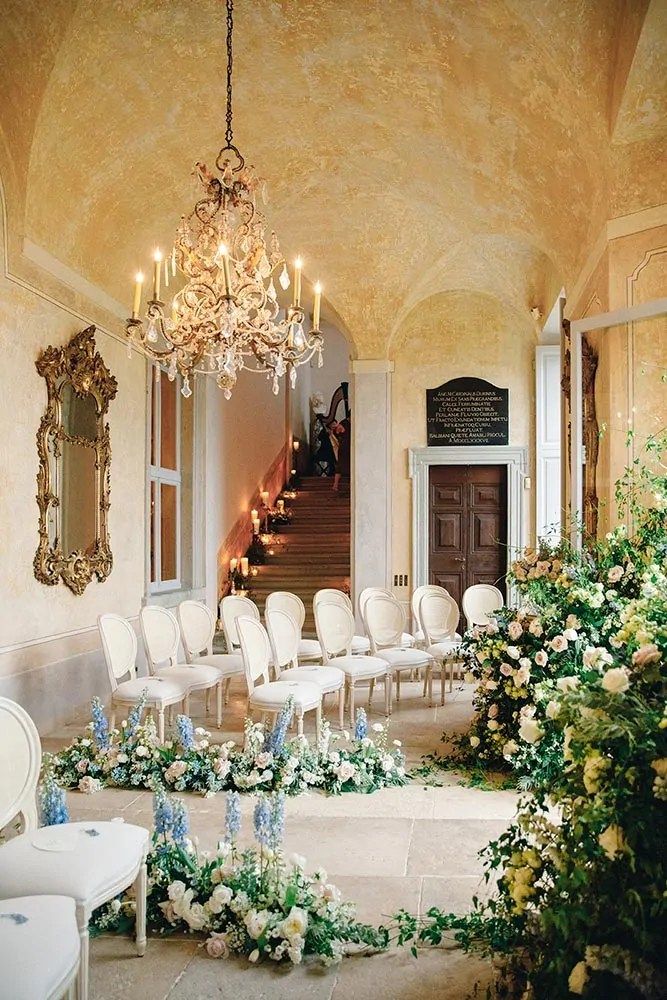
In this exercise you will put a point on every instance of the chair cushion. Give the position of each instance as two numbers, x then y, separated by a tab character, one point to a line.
229	664
193	675
95	863
361	667
360	644
37	954
160	690
444	648
327	678
399	658
275	694
309	649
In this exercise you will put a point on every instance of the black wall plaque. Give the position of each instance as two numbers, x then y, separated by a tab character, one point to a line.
467	411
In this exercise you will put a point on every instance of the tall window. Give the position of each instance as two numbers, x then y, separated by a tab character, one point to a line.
165	483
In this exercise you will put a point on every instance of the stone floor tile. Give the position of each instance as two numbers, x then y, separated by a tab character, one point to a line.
234	979
379	897
444	847
437	974
116	973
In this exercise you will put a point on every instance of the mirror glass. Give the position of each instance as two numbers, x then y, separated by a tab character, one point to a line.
78	413
78	511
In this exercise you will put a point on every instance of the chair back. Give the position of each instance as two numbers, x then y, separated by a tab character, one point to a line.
480	601
255	650
119	645
335	628
161	635
20	762
385	621
233	607
290	604
284	639
330	595
368	592
438	616
417	594
197	628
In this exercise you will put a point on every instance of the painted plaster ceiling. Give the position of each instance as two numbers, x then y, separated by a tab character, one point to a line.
409	146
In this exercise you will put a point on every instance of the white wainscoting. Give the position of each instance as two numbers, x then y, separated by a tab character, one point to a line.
547	441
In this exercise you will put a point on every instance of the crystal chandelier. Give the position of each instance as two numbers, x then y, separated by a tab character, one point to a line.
226	316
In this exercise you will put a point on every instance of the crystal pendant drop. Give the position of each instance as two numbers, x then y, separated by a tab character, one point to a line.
227	393
284	278
292	377
320	359
271	291
171	374
276	385
151	332
186	390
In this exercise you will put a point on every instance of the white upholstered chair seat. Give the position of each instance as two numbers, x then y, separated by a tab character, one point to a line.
159	691
87	871
328	679
360	644
229	664
196	676
272	696
309	649
419	636
400	658
361	668
444	648
39	956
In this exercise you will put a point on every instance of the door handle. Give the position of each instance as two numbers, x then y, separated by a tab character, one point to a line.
460	559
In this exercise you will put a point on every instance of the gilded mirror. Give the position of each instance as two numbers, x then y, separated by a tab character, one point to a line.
74	460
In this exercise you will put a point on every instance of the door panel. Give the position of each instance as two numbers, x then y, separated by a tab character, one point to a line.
468	526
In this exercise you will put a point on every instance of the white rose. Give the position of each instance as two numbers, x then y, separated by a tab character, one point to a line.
615	574
510	748
195	917
298	861
142	751
474	741
522	676
552	710
535	628
493	711
616	680
570	634
567	683
256	922
492	725
558	643
220	897
530	730
612	841
572	622
513	652
578	978
294	923
122	758
541	658
377	727
515	629
506	669
491	685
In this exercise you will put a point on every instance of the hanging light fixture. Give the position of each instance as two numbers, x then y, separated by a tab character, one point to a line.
226	317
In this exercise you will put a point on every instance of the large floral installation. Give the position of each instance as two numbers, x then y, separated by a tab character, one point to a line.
131	756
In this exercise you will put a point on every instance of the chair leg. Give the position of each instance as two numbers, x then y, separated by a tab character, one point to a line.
318	723
426	673
186	704
227	683
82	977
218	693
341	706
352	704
398	685
442	685
299	723
387	693
160	724
207	704
140	889
371	686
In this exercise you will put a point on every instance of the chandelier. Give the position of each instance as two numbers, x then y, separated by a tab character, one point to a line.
225	317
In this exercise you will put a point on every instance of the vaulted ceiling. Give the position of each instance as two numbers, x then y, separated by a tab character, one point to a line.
410	146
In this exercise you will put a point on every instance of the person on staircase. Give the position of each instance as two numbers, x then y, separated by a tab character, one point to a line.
343	432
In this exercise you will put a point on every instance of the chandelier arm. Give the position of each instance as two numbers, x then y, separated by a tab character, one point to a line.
229	133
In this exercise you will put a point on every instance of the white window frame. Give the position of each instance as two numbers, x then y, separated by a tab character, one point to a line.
158	475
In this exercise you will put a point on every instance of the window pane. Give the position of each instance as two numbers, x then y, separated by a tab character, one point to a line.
168	531
152	533
155	410
168	430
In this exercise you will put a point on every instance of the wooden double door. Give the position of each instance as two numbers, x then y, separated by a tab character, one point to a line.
467	526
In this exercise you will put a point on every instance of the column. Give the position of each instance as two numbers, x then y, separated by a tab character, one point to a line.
371	474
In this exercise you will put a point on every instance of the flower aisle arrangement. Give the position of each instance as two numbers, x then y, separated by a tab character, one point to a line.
132	757
252	902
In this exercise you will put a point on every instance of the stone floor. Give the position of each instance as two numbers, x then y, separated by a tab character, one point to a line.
411	847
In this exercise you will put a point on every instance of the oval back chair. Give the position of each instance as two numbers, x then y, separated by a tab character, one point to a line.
232	608
479	602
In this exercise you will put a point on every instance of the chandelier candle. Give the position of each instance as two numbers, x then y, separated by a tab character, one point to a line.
317	305
157	260
233	563
224	254
138	284
245	566
298	264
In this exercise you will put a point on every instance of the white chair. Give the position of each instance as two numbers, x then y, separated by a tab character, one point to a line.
406	638
197	630
232	607
329	595
385	624
91	862
439	616
284	639
40	948
335	628
479	602
119	645
161	636
417	594
292	605
270	697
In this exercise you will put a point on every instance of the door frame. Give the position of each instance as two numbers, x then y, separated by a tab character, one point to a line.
419	462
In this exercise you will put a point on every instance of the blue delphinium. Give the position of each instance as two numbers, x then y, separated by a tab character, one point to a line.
186	731
232	816
262	821
134	716
52	803
277	823
181	824
163	813
276	738
361	725
100	725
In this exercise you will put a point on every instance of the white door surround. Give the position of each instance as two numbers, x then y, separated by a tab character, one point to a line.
419	461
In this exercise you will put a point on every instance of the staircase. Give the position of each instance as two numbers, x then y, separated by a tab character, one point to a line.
314	550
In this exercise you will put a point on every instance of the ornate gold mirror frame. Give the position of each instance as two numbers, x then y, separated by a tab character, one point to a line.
73	437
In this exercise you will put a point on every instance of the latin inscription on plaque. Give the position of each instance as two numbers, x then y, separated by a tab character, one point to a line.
467	411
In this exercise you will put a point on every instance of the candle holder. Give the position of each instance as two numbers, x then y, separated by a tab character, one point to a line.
256	551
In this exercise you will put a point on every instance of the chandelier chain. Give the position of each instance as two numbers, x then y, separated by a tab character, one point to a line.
229	135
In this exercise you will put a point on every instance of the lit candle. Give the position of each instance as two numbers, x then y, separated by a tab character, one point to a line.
316	305
253	514
298	264
174	313
281	506
265	497
295	445
224	253
173	262
293	472
157	260
233	563
255	525
244	566
138	285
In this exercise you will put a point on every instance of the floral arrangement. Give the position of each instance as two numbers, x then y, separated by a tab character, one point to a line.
253	902
132	757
